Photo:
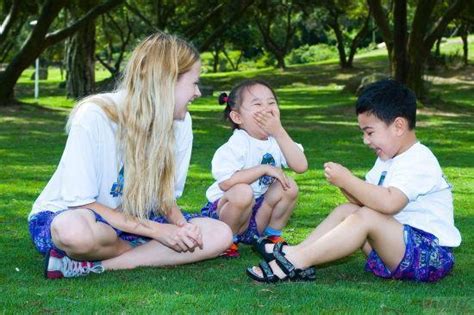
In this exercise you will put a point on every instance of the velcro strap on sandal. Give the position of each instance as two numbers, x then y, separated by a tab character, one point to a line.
285	265
267	271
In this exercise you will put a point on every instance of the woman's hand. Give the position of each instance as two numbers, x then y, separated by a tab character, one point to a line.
182	238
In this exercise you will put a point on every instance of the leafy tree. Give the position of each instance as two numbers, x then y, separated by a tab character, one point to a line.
277	20
116	33
408	49
344	17
39	38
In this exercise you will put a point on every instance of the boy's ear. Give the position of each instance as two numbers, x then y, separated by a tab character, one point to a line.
235	117
401	125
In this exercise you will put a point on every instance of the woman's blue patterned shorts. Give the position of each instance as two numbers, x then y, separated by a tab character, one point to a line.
40	229
424	260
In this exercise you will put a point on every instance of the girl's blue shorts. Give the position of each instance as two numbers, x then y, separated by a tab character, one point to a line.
40	229
249	235
424	260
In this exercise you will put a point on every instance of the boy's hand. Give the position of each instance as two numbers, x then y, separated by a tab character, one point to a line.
336	174
269	121
277	173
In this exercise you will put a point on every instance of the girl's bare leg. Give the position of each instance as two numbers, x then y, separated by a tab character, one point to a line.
235	207
277	206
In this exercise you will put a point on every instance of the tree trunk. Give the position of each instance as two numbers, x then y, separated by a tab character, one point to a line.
215	60
356	41
381	20
415	77
80	55
438	46
81	63
340	42
400	57
465	44
280	57
418	54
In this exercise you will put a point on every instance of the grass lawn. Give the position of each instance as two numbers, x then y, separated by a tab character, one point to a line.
317	111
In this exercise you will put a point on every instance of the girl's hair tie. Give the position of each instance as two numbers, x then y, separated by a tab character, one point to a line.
223	99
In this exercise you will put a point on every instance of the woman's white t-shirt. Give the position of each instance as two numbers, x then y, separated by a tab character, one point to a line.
90	163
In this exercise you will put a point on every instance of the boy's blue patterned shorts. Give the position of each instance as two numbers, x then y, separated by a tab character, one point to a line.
40	229
424	260
248	236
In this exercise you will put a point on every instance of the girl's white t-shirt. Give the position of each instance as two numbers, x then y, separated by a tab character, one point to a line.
417	173
241	152
90	163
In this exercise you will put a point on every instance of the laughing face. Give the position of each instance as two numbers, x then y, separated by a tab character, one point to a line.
256	98
186	90
380	137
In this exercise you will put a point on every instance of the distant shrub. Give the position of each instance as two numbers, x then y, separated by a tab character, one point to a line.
314	53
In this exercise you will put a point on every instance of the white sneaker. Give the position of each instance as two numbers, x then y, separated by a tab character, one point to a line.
61	266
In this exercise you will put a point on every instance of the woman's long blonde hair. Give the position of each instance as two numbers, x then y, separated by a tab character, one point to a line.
144	118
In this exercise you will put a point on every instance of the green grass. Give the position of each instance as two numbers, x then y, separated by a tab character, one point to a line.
318	112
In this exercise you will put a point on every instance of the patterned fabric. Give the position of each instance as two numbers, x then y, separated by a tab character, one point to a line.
117	187
40	229
267	180
424	259
248	236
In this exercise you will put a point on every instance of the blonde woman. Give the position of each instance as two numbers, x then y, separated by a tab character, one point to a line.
111	203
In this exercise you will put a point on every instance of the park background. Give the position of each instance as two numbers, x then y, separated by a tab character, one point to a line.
316	54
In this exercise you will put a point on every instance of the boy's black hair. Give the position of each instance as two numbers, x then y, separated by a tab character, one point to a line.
387	100
234	100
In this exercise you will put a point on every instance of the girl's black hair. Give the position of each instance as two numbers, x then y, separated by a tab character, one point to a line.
234	99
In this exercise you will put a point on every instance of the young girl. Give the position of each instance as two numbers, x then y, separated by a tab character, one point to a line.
111	204
252	194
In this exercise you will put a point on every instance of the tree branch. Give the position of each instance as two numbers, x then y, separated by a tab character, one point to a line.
59	35
382	22
197	27
453	11
243	6
141	16
9	20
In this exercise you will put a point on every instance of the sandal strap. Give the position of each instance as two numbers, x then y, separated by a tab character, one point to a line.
267	271
285	265
308	274
259	246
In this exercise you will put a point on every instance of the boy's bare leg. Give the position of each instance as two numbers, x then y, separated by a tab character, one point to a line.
333	219
277	206
235	207
83	238
382	232
216	237
338	215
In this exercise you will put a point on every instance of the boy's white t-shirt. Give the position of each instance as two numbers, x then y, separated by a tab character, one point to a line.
90	163
417	173
240	152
